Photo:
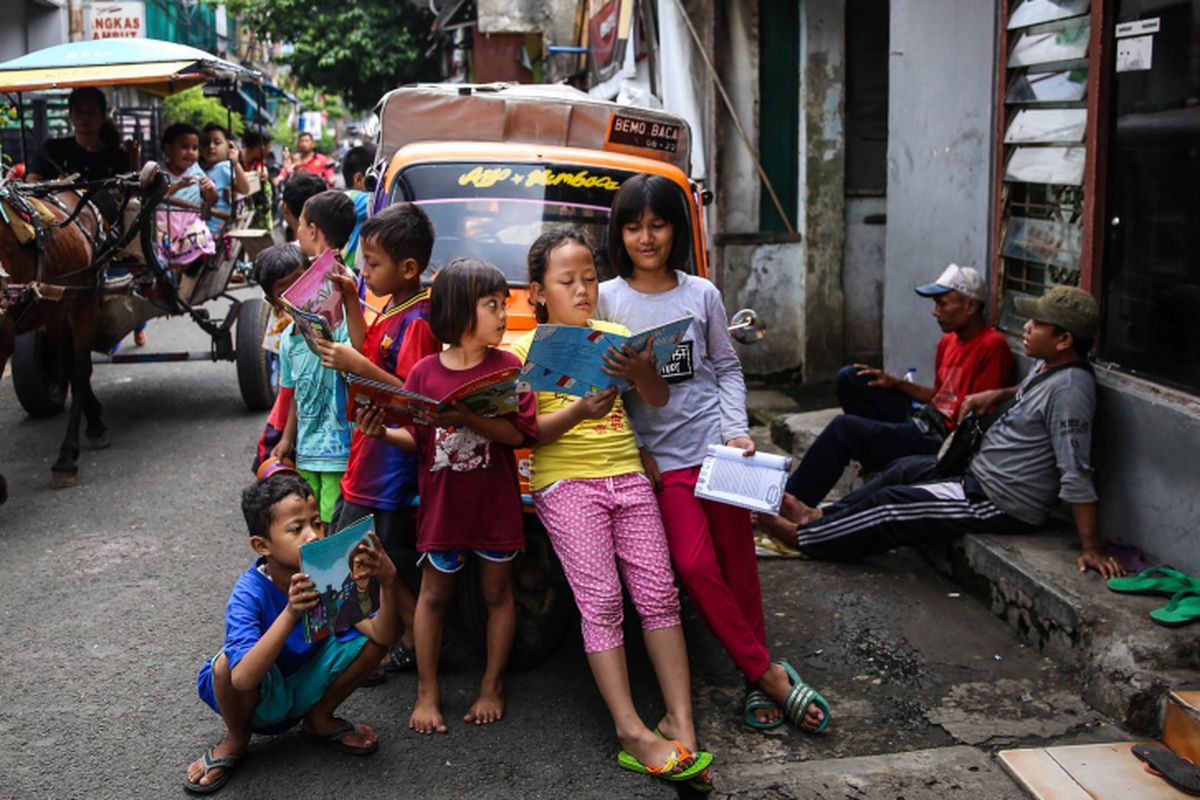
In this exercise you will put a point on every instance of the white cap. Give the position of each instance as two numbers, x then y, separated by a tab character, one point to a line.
964	280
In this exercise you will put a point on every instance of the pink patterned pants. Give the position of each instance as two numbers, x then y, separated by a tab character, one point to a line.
605	530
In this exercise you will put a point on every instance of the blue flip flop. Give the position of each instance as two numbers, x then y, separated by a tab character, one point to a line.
800	698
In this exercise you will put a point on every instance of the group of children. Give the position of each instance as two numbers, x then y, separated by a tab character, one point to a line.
619	509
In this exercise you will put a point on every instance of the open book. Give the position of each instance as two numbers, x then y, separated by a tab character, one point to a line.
491	395
570	358
345	600
754	482
315	302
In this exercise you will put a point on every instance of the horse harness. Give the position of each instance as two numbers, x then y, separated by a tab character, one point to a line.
32	222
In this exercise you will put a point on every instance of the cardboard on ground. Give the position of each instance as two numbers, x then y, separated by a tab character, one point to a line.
1085	772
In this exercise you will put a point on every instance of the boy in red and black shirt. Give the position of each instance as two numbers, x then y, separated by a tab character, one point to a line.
381	480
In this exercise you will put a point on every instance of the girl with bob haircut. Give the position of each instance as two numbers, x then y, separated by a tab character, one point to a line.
467	478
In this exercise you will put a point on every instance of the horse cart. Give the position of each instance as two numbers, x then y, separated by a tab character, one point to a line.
79	260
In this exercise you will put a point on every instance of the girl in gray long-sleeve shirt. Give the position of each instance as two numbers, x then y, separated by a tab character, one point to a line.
712	544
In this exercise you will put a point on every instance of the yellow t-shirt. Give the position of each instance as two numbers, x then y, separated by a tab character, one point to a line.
595	448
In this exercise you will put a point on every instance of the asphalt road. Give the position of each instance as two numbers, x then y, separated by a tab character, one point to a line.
115	593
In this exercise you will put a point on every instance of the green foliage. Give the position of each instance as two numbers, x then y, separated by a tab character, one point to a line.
282	134
362	49
191	106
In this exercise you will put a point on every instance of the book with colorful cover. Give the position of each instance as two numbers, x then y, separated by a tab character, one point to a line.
328	563
490	395
315	302
570	358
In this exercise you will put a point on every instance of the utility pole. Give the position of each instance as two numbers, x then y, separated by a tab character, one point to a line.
75	20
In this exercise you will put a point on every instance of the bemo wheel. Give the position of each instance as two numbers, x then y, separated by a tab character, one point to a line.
545	607
41	374
257	368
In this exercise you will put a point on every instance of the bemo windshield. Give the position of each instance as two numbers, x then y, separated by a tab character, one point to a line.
495	210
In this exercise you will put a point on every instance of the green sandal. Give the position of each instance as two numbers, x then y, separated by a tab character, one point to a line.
682	765
703	782
1183	609
800	698
1155	580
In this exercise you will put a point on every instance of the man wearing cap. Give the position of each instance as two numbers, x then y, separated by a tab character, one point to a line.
1037	452
879	424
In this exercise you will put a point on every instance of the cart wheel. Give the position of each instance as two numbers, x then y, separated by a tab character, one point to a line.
41	375
545	607
257	369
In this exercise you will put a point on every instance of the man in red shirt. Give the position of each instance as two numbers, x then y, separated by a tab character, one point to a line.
309	160
879	424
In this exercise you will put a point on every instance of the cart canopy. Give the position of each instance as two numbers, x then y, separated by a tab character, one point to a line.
150	64
546	114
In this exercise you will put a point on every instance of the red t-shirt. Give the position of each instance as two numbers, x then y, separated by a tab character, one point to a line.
320	165
377	474
470	497
976	365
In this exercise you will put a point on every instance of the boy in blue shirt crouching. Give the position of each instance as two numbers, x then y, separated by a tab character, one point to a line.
267	678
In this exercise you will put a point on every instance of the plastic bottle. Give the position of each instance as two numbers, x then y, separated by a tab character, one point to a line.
911	377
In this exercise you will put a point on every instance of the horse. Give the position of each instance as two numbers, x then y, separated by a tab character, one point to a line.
55	244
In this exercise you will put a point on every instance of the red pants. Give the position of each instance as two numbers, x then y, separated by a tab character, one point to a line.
712	548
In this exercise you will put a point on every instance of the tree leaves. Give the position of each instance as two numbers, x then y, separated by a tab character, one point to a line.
358	51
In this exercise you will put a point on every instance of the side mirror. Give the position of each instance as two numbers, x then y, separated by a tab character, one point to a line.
746	327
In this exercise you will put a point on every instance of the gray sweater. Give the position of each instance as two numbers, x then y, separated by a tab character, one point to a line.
1041	448
708	393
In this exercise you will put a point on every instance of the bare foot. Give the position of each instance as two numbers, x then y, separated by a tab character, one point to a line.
652	751
777	685
683	730
489	707
226	747
427	716
798	512
777	527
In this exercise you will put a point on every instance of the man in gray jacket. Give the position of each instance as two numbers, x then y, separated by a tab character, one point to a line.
1037	452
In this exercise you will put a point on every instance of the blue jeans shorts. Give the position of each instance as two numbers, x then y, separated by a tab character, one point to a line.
451	561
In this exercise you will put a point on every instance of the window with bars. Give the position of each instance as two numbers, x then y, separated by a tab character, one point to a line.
1043	197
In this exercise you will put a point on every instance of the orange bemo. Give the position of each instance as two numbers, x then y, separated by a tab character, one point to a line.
495	166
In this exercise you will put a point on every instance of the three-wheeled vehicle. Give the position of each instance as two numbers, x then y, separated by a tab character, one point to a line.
132	283
494	166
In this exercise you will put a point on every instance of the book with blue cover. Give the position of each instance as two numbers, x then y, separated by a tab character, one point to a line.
570	358
346	597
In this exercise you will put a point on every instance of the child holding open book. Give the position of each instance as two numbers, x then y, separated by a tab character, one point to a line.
470	496
599	510
380	480
712	544
316	428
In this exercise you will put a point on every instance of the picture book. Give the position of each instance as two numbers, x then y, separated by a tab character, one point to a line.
314	301
345	599
755	482
570	358
491	395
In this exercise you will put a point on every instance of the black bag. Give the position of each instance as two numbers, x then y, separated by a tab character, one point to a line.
954	456
930	421
963	442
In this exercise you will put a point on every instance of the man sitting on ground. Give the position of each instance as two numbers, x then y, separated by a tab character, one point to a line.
879	424
1036	452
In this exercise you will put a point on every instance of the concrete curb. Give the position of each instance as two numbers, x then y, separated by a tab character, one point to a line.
1126	663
